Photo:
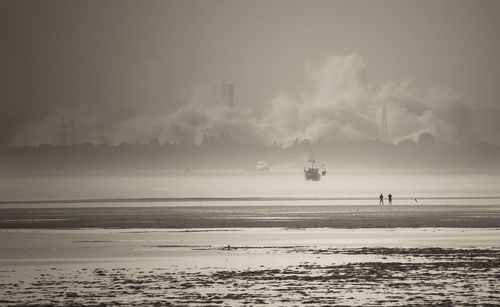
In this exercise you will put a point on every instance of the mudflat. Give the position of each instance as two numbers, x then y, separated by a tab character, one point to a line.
279	215
239	266
234	254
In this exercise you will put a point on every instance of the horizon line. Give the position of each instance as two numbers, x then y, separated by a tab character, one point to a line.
226	199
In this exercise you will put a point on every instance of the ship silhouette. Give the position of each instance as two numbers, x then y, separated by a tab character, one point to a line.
311	171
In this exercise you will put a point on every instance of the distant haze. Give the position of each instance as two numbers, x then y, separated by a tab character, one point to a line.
318	70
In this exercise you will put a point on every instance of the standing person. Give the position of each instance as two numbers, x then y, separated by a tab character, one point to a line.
381	197
390	198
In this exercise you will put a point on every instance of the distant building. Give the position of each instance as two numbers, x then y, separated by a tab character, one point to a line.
66	134
225	94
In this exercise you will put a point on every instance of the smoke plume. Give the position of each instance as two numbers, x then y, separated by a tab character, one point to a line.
336	101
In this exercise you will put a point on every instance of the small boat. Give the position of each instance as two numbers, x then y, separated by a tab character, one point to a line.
311	171
262	166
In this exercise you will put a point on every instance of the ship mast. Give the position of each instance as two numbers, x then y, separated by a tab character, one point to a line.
311	160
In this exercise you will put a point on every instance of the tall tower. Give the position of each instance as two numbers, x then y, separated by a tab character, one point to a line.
230	95
72	133
383	126
63	133
225	93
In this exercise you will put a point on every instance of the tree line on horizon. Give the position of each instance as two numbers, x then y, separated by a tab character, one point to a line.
222	151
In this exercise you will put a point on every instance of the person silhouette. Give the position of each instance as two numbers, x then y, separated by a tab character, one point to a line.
390	198
381	197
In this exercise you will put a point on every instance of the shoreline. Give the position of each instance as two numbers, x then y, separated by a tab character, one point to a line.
266	216
229	199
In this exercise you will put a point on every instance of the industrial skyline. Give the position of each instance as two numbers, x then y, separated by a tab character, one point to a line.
320	69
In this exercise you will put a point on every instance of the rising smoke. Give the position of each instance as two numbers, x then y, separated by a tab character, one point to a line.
337	101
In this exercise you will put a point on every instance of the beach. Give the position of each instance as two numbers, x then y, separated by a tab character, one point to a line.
239	254
241	238
239	266
245	153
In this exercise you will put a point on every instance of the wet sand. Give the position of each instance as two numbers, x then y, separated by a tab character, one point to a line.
249	255
400	266
293	216
413	278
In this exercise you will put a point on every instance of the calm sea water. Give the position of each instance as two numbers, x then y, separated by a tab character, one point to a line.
356	184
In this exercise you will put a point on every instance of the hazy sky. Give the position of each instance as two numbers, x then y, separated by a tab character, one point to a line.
136	69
